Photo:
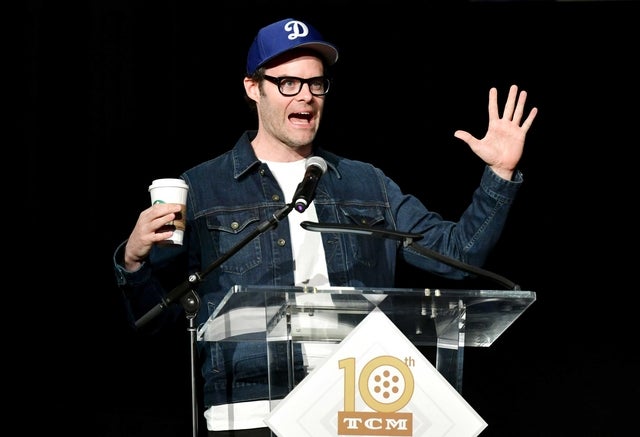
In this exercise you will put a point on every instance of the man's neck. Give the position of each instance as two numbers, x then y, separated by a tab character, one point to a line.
280	152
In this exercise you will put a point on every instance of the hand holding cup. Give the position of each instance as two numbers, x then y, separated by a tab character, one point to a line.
171	190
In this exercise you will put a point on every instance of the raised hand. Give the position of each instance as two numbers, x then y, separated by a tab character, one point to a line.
502	145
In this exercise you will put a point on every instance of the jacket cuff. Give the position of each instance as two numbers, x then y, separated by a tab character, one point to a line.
498	188
125	277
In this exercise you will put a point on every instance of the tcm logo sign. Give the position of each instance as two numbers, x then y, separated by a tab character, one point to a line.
385	385
360	388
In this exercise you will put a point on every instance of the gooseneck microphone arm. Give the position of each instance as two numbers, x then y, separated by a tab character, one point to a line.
315	168
408	239
195	278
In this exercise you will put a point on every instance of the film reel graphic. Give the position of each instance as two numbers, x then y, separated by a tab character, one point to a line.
385	384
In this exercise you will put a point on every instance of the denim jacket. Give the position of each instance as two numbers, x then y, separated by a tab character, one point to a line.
232	194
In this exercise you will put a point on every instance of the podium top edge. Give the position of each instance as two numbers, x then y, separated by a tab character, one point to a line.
430	292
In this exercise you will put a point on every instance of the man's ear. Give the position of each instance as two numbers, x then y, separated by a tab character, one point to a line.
252	88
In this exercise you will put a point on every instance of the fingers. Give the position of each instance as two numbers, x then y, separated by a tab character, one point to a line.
511	102
150	228
519	107
514	107
156	218
529	120
463	135
493	104
494	111
519	110
152	224
161	210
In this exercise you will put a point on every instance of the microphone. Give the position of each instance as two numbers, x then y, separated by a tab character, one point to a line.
306	190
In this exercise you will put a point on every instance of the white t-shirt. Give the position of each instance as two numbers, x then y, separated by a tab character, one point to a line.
308	253
310	270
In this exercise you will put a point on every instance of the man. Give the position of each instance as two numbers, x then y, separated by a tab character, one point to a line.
287	81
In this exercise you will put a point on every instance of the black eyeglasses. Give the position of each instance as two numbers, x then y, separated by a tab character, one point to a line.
290	86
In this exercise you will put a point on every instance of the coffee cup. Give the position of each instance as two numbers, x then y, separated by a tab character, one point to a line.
171	190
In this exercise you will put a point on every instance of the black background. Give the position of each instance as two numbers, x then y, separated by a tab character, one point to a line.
118	93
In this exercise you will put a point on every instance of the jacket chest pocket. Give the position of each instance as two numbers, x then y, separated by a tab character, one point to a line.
365	249
227	230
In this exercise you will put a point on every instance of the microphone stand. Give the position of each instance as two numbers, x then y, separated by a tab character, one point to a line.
408	239
186	294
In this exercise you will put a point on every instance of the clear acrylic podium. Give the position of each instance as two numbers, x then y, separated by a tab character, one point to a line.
306	324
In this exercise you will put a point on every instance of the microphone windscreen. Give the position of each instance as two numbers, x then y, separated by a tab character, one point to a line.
318	162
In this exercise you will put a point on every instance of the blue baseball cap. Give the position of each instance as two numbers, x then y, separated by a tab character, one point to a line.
284	35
